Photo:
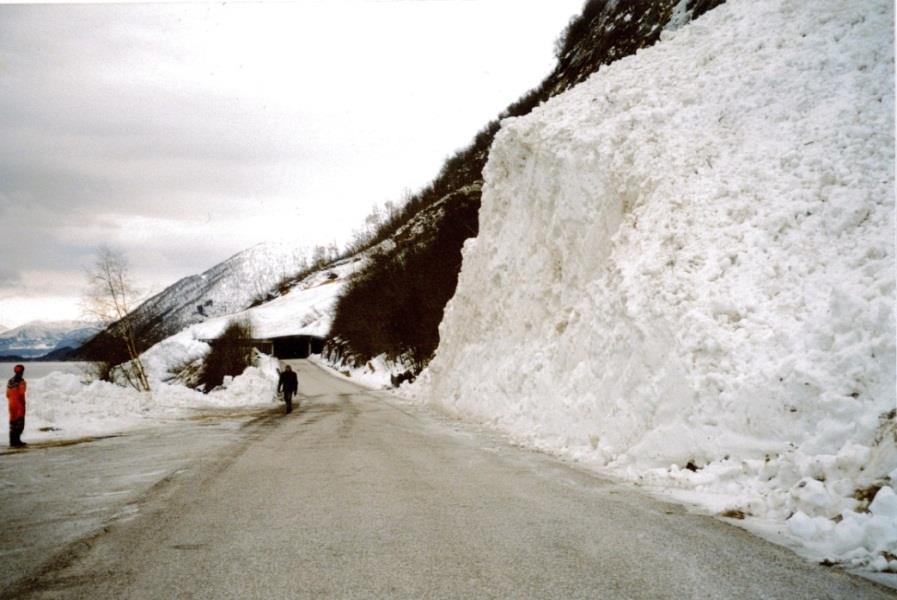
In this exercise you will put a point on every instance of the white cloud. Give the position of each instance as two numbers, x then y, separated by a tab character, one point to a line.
174	126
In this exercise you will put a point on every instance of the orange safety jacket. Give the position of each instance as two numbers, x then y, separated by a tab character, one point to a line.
15	395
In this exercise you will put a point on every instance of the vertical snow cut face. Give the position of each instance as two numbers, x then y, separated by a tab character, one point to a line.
689	260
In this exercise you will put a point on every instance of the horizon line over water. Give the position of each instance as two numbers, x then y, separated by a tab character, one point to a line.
38	369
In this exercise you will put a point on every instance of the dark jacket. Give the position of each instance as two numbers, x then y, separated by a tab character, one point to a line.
288	382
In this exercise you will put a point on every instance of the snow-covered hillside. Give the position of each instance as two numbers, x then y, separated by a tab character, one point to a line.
685	274
226	288
306	309
38	338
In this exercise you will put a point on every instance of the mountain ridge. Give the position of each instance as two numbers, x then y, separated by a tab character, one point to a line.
39	338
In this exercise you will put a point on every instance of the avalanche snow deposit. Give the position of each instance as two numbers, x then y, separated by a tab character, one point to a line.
685	274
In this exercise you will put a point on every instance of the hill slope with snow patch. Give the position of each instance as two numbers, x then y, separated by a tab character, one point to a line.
228	287
685	273
305	309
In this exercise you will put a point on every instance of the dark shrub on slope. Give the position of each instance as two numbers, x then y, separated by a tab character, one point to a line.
231	353
400	297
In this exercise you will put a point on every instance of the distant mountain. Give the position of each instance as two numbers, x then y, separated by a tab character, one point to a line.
228	287
37	338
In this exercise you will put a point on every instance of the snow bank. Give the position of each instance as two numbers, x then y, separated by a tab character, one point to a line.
685	273
377	373
62	406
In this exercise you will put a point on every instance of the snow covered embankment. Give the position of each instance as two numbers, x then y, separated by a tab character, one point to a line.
685	274
61	406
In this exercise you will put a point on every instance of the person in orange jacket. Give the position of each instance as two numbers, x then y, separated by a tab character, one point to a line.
15	396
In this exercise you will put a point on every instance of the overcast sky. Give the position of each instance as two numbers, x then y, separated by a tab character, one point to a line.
184	133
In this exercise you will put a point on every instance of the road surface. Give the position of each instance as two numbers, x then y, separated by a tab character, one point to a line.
354	496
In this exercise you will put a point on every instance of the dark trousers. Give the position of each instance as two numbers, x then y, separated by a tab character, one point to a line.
15	431
288	398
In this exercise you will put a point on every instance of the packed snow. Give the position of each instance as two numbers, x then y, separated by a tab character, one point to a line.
379	373
68	406
684	278
685	275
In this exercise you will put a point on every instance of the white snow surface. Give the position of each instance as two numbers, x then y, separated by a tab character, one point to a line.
63	406
689	258
376	374
232	284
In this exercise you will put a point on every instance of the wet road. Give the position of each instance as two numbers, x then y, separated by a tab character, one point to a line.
59	493
353	496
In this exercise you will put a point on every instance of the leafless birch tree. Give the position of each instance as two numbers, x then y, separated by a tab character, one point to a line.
110	297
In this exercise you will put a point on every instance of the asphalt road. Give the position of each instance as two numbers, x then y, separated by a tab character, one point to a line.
354	496
57	494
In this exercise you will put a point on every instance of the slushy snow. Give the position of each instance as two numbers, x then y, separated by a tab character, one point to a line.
685	275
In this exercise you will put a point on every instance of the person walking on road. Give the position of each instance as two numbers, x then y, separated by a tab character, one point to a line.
289	384
15	396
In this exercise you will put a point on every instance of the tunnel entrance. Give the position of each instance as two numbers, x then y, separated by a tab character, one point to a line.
296	346
286	346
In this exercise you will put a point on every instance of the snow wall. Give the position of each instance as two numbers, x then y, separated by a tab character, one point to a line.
689	258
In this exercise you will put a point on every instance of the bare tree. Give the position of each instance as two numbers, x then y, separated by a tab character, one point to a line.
110	297
318	257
